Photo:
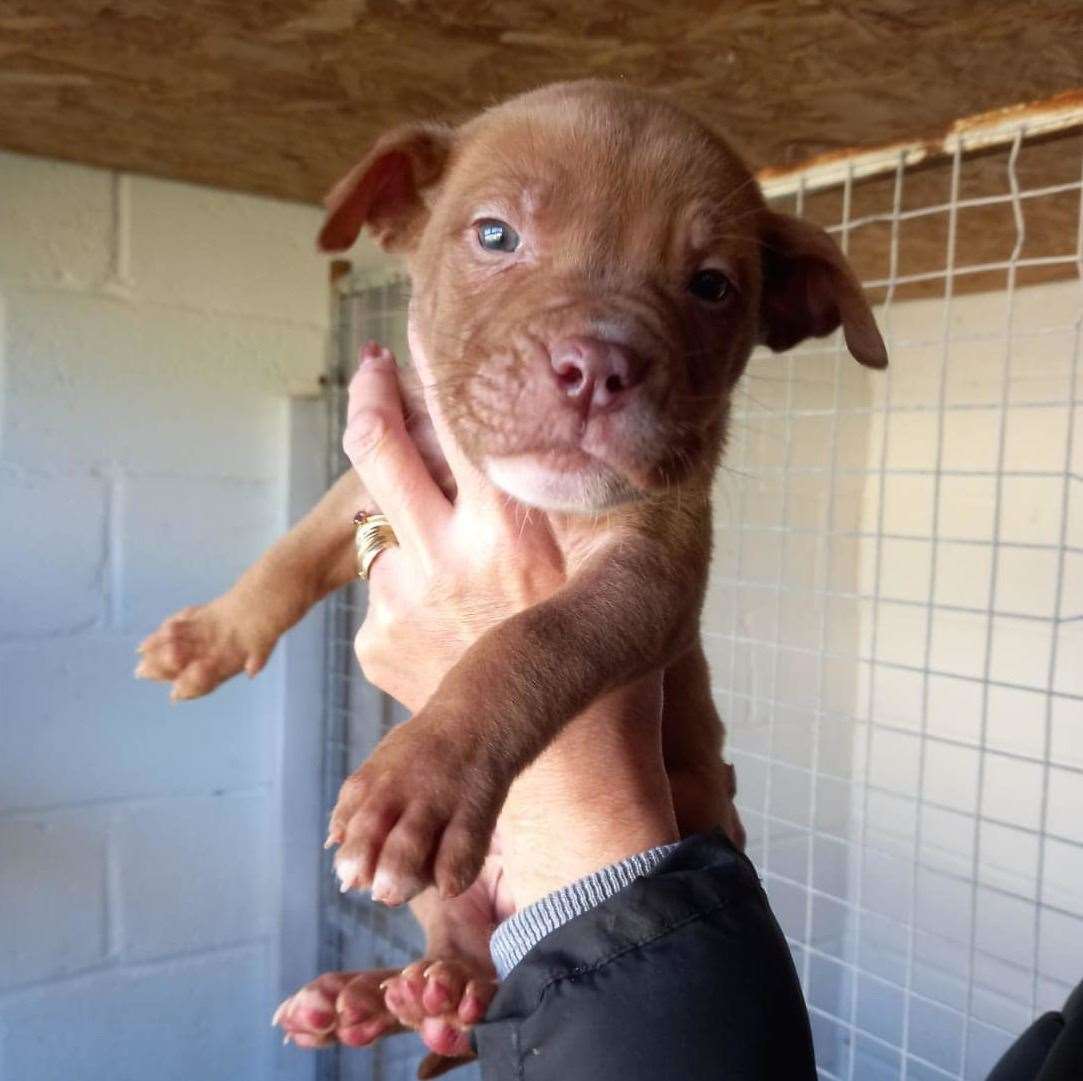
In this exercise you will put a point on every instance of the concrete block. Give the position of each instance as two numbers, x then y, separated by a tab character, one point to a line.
52	896
155	389
89	731
194	874
221	251
203	1018
185	541
52	548
56	219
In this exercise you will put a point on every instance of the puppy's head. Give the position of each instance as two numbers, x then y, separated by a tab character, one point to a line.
591	269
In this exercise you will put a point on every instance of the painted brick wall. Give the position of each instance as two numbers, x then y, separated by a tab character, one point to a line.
151	334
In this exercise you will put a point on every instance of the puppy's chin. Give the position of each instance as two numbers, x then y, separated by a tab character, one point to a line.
565	480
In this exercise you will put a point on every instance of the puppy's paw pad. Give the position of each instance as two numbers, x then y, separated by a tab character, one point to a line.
444	1038
453	990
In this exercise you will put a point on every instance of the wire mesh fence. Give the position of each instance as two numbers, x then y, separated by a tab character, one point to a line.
895	620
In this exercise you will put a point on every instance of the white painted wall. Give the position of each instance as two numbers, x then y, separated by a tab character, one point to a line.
151	334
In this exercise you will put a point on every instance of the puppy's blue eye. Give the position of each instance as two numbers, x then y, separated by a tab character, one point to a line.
710	285
494	235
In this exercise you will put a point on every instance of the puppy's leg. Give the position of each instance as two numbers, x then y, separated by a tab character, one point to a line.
442	999
421	810
200	647
702	783
445	993
441	996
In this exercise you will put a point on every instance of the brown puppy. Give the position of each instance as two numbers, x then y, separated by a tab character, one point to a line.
591	268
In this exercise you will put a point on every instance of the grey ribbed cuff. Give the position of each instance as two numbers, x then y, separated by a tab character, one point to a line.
519	934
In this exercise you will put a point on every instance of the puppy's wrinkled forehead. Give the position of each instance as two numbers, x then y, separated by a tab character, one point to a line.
602	173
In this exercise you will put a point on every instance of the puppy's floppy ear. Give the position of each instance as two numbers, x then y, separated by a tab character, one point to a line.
384	191
809	289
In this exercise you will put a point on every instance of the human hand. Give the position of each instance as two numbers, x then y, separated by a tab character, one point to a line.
423	806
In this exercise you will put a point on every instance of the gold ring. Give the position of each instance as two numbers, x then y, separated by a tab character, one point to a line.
373	535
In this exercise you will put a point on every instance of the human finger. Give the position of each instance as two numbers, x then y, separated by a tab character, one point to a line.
385	457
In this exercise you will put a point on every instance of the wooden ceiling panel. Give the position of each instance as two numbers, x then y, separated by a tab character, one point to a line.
280	96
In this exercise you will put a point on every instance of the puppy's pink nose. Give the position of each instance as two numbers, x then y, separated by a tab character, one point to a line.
595	373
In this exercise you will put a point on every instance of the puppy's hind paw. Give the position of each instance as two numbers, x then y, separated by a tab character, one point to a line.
338	1007
443	999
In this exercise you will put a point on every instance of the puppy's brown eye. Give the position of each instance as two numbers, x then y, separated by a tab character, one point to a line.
710	285
494	235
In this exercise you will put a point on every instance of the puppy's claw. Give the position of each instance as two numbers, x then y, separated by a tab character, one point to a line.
279	1012
347	873
385	890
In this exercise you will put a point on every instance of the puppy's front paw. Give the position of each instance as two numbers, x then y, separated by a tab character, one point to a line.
419	812
202	646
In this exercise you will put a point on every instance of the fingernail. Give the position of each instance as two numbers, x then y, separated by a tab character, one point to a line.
382	359
372	353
